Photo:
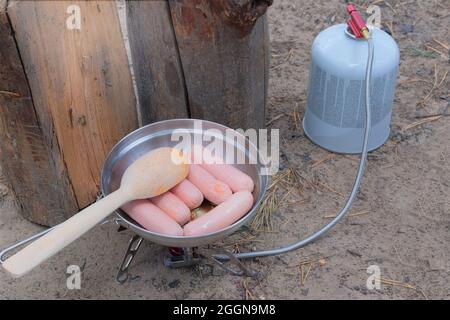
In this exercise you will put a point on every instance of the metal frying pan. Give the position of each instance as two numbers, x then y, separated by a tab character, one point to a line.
158	135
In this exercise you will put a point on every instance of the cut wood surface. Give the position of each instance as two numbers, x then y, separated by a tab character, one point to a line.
36	174
80	82
158	71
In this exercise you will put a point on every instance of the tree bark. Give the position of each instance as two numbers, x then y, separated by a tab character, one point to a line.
82	103
36	175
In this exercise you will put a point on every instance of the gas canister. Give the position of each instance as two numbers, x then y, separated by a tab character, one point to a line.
335	110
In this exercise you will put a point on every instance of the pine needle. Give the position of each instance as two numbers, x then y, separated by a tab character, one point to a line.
288	181
422	121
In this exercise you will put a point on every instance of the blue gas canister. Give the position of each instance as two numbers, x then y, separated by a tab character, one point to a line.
335	111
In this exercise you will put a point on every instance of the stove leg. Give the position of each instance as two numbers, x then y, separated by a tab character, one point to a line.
241	270
122	275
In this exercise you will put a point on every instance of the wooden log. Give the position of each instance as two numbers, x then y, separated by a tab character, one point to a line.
36	175
158	72
82	92
200	58
223	46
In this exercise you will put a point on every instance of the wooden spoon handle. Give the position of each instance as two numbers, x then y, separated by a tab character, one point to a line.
64	234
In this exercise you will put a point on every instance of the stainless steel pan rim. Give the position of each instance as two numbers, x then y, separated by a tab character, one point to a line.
143	140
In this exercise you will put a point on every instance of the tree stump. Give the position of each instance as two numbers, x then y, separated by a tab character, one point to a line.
200	58
66	98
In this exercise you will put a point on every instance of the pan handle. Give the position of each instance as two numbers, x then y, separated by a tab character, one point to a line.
4	252
36	236
21	243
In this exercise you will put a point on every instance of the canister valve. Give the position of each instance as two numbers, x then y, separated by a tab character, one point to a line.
357	24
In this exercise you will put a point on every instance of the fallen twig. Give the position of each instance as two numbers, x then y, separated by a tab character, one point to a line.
397	283
275	119
433	115
322	160
436	85
356	214
442	44
248	292
10	94
422	121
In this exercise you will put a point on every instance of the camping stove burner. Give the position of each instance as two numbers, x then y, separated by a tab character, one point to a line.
183	257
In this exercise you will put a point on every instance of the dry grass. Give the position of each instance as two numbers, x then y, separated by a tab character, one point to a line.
356	214
249	295
251	292
241	238
422	121
436	85
328	157
283	185
296	117
275	119
10	94
307	266
395	283
286	58
442	48
263	219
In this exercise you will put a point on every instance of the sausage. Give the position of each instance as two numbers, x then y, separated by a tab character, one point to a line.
221	216
188	193
214	190
233	177
152	218
173	207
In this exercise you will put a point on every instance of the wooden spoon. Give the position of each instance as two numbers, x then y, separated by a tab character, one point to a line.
152	174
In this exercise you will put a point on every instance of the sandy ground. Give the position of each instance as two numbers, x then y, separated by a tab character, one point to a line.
400	221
